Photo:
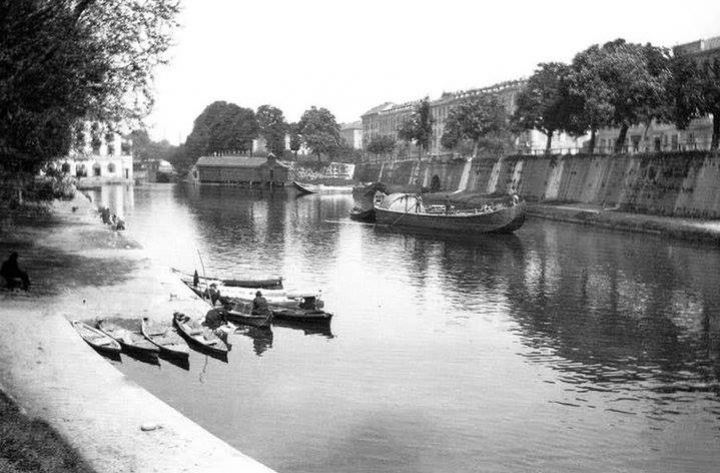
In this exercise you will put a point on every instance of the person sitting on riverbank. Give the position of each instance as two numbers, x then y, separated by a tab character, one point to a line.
260	305
13	275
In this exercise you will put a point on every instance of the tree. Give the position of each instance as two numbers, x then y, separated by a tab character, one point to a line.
222	126
295	139
622	84
694	92
482	119
273	128
319	131
546	104
66	62
381	144
418	127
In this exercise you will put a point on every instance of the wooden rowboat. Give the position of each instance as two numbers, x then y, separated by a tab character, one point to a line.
407	210
199	335
304	188
261	283
302	315
165	338
241	312
96	339
128	333
362	215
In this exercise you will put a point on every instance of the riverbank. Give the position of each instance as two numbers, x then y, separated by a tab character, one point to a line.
705	231
81	269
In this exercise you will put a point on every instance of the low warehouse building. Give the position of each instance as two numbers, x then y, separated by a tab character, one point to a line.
241	170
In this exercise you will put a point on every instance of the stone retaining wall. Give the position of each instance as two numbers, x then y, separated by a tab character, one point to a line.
670	184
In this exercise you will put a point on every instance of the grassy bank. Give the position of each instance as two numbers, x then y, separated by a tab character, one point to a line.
32	445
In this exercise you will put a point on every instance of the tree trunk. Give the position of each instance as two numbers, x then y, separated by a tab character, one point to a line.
592	141
716	131
620	142
548	143
476	146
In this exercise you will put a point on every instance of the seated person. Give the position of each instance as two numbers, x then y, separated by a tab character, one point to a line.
13	275
215	318
260	305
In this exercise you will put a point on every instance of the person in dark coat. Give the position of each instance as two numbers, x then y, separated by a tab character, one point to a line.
13	275
260	305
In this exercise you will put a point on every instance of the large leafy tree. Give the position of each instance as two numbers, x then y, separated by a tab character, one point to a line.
295	138
221	127
694	92
418	126
483	120
273	128
621	84
381	144
546	104
63	62
319	131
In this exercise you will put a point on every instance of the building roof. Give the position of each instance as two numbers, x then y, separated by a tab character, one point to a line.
233	161
351	126
379	108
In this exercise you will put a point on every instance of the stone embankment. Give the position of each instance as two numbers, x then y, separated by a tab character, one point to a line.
675	194
83	270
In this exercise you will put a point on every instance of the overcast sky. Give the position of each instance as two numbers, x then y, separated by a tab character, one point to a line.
351	56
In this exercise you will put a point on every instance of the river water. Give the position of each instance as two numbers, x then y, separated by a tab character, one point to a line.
561	348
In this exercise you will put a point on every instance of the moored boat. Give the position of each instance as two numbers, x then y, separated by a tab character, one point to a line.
307	188
304	188
275	282
362	215
165	338
128	333
199	335
241	312
96	339
408	210
302	315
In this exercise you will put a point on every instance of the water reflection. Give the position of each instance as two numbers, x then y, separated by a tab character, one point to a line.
262	337
531	345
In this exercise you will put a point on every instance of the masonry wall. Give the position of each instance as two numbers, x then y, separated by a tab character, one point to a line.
677	184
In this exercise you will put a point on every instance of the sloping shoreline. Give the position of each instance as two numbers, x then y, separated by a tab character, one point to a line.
81	269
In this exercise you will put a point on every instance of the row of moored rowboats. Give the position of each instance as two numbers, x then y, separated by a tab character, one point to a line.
150	338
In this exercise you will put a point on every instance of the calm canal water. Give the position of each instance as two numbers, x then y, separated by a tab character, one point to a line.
559	349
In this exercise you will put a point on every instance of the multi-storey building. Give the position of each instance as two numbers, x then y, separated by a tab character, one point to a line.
352	134
386	118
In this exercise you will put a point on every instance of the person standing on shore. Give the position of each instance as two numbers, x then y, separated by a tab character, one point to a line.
13	275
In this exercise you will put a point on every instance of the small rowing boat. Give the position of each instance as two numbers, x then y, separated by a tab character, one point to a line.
302	315
306	188
128	333
241	312
261	283
199	335
96	339
165	338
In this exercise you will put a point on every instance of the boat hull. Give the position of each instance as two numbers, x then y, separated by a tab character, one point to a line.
168	342
128	334
300	315
367	215
504	220
97	339
201	337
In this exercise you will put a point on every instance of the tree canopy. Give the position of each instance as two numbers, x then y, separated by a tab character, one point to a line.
222	127
381	144
66	62
272	127
694	92
546	103
319	131
482	119
621	84
418	126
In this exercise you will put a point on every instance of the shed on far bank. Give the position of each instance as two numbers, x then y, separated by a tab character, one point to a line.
241	170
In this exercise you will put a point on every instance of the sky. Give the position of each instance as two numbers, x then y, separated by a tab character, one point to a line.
352	56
